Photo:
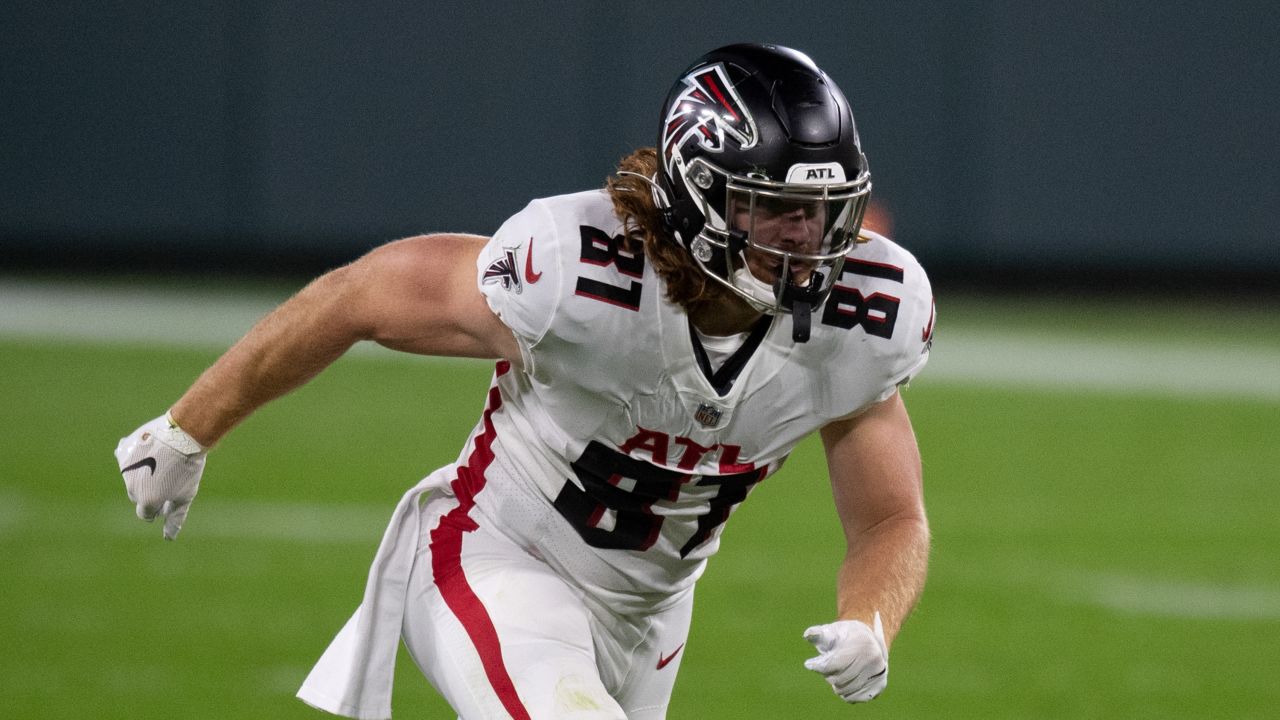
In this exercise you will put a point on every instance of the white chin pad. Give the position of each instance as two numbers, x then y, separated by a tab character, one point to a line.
758	289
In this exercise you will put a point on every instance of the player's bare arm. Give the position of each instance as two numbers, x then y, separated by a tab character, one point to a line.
875	476
417	295
876	481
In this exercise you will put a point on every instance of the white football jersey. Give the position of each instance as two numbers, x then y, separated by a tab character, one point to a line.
619	424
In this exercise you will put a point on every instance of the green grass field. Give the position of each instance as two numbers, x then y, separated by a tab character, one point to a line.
1099	551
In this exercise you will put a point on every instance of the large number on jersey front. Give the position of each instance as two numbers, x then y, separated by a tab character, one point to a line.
613	508
602	250
848	307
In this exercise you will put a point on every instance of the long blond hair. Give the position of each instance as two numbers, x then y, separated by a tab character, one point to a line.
687	285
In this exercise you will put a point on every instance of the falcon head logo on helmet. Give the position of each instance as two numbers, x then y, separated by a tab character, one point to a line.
708	110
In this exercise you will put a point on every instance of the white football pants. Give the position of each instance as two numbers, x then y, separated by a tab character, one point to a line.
501	635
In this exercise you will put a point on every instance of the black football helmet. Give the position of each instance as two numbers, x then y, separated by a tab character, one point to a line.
761	176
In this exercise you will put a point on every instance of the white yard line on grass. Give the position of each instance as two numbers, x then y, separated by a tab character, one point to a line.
280	521
1172	368
1176	599
77	311
46	310
307	523
80	312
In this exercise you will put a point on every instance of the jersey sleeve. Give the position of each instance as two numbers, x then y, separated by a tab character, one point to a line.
884	302
915	322
520	272
918	319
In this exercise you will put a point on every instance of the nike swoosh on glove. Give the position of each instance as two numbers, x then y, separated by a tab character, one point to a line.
161	466
852	657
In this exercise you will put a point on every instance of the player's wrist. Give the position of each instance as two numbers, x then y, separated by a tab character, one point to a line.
179	439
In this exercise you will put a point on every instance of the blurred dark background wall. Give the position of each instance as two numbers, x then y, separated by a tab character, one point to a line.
1014	142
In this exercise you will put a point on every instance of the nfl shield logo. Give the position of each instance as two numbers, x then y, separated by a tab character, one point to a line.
707	415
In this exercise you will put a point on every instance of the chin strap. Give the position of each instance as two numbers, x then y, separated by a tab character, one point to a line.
801	300
800	321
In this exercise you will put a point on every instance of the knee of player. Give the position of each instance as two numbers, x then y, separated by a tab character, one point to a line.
574	697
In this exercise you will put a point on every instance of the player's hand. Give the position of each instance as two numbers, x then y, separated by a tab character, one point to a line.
852	657
161	466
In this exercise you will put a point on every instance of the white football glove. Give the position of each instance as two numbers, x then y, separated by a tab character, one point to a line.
852	657
161	466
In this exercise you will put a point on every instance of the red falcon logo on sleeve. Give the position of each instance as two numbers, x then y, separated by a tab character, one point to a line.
709	110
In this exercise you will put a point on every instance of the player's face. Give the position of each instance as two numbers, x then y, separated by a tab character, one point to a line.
791	226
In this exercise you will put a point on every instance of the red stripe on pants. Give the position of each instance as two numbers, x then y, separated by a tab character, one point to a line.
446	561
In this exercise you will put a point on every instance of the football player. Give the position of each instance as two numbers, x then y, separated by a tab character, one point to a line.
662	344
